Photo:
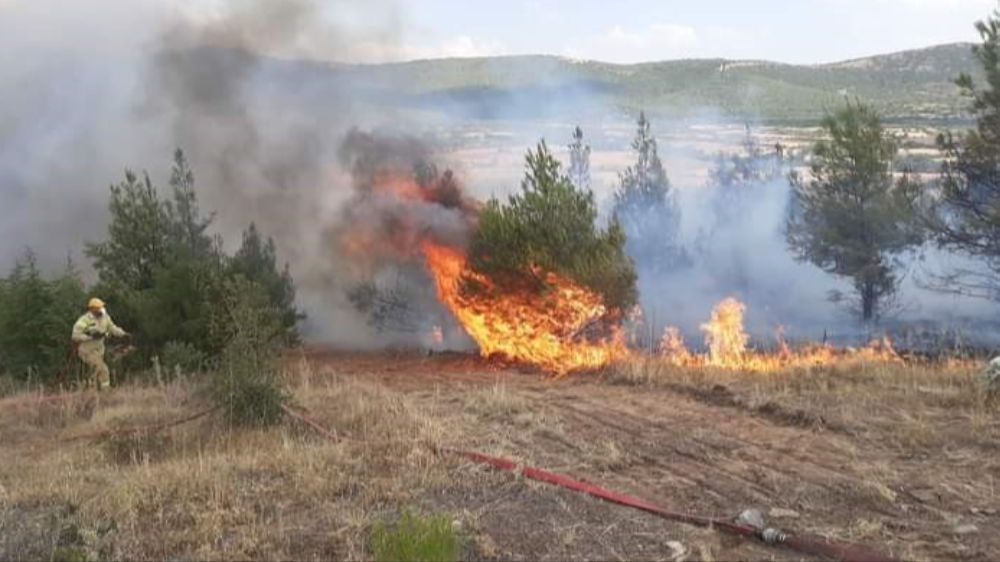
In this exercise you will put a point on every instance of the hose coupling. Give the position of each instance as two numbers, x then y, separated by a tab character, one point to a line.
771	535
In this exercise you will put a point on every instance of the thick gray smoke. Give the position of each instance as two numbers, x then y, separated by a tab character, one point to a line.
401	202
735	237
90	88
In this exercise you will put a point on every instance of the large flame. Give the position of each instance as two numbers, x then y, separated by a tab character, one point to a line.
395	218
724	334
524	326
727	340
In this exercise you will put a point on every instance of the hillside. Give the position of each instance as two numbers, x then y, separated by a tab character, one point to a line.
912	85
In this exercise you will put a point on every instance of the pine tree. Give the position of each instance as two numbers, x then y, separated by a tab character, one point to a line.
964	214
139	236
256	261
646	208
189	227
34	317
752	166
553	225
579	161
855	215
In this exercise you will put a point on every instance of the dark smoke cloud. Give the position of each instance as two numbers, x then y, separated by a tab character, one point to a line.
401	201
89	90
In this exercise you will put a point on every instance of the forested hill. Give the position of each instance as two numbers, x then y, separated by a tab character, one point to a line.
908	85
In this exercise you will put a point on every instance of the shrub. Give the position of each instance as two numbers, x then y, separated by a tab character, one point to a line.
135	448
183	356
247	384
35	319
417	539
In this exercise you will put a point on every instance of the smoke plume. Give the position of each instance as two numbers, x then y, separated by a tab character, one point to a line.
277	138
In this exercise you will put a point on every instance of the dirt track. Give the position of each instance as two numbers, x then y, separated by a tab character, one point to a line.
691	449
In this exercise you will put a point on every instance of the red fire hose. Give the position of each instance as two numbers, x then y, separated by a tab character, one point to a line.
806	544
802	543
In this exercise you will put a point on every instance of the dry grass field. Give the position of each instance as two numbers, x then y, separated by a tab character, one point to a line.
901	458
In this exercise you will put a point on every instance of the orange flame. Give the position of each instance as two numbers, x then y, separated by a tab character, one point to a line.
540	329
727	340
672	347
724	335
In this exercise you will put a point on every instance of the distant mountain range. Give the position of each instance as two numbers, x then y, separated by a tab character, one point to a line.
909	86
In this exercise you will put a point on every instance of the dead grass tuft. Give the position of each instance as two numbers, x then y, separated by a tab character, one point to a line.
496	401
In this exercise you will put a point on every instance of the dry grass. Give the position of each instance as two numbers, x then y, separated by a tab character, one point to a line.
497	401
201	491
917	404
865	452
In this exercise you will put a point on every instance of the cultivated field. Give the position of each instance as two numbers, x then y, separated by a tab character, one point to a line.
899	458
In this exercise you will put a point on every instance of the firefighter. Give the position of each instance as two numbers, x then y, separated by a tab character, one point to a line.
88	337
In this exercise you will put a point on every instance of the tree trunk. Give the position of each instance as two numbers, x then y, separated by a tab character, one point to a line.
869	302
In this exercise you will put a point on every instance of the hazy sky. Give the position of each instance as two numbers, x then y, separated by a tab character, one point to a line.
801	31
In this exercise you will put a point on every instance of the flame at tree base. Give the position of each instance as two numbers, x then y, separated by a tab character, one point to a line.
524	326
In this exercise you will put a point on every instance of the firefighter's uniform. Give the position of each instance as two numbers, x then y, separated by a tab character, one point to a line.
88	335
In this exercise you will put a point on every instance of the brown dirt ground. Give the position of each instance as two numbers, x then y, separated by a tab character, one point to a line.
714	445
895	458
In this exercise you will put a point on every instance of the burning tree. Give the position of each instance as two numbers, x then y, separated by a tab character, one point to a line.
532	280
541	283
854	216
551	227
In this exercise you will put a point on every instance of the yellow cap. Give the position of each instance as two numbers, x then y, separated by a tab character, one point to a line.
95	304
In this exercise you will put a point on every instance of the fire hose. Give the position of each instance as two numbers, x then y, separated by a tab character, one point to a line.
145	429
801	543
806	544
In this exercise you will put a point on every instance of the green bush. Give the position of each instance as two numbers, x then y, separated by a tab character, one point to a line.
417	539
69	554
183	356
552	224
247	384
36	315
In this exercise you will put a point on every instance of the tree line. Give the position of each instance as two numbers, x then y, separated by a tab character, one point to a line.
164	277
